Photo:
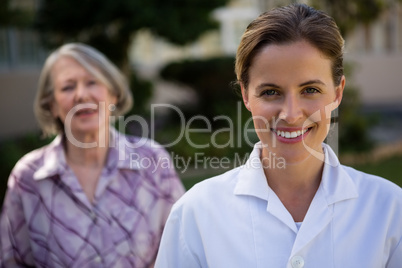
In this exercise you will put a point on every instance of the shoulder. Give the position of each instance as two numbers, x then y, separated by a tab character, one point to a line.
152	161
379	203
377	195
372	184
140	146
366	186
208	193
30	163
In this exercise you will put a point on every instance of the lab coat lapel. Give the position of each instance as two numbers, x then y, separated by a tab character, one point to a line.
278	210
317	218
252	181
336	186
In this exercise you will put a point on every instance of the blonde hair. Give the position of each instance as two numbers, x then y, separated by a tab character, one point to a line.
289	24
95	63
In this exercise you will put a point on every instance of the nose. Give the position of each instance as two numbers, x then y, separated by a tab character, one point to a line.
81	92
291	111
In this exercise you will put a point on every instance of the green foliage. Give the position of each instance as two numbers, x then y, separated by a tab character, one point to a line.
389	168
212	80
16	17
348	14
142	92
353	127
109	25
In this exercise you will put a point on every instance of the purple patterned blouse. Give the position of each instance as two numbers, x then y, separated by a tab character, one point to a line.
47	220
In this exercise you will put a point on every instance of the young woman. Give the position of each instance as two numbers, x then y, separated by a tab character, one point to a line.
81	201
312	212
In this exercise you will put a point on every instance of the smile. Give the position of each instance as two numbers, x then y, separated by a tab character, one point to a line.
290	134
85	112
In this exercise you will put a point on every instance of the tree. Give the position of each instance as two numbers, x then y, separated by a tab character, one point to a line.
13	16
348	14
211	79
110	24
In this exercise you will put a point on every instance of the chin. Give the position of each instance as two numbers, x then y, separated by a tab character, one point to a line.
86	130
296	159
290	153
291	156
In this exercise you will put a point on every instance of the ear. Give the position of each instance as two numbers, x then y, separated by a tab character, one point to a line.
244	94
114	100
339	91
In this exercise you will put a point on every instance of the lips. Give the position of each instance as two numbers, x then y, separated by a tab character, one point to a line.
290	134
85	112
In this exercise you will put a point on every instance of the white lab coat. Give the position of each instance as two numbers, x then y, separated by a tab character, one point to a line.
236	220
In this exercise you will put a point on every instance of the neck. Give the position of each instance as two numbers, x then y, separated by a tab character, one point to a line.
94	156
296	184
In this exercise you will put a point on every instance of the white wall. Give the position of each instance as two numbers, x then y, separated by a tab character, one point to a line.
379	77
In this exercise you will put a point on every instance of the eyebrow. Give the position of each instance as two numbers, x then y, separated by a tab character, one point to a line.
310	82
264	85
317	81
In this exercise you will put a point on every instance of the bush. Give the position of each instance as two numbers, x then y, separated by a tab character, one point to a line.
213	81
353	127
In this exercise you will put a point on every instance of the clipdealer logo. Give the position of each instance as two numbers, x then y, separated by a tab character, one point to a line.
186	129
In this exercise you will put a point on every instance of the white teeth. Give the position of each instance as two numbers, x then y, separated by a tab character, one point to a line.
291	135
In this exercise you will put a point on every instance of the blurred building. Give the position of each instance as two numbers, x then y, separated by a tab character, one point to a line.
377	59
21	57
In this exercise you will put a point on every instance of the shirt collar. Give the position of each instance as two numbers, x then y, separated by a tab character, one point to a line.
336	182
54	161
251	178
122	147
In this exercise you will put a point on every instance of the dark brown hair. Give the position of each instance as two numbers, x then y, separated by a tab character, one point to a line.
289	24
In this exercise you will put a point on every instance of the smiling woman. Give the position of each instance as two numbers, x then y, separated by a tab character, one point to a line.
74	84
72	205
313	212
283	94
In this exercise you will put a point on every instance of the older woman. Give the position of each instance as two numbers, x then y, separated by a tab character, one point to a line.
82	201
312	212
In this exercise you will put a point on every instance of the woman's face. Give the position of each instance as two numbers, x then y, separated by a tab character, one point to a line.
290	95
74	85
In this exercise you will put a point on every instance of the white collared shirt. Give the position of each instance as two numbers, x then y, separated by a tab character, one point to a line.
236	220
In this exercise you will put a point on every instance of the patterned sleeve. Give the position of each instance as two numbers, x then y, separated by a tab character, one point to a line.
169	181
15	250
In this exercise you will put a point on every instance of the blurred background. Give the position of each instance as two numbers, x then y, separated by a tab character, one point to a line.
181	52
